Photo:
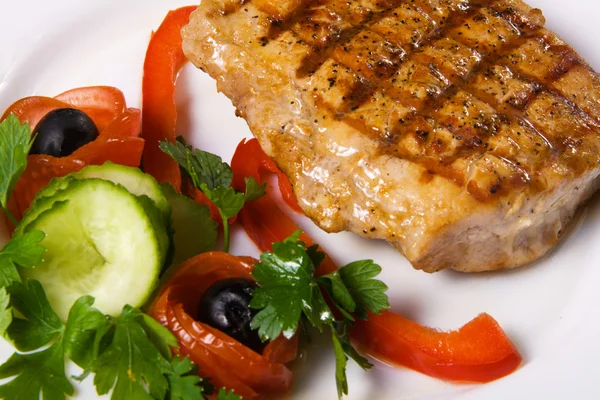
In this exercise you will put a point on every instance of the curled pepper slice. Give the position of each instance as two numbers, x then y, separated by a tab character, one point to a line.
164	60
480	351
118	141
226	361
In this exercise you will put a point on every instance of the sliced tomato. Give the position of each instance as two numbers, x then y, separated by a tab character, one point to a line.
226	361
478	352
118	141
102	103
164	60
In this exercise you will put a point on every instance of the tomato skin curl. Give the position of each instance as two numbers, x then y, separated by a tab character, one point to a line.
118	140
480	351
226	361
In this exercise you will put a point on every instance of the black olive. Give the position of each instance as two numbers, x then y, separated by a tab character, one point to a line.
224	306
62	131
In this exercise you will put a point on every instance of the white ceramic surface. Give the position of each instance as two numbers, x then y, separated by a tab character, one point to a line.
549	309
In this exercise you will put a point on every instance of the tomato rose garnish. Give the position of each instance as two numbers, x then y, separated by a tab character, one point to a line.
118	141
226	361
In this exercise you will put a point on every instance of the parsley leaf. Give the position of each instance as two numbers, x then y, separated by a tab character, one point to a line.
340	365
24	250
83	332
285	279
368	293
15	142
254	191
288	289
225	395
131	365
184	382
203	167
35	373
213	177
40	324
6	315
228	201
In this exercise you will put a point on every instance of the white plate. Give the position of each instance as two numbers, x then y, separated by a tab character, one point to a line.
548	309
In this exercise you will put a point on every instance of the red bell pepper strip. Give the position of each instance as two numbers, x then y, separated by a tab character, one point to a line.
478	352
164	60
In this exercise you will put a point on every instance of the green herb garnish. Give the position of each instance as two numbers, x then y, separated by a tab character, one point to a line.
289	290
213	177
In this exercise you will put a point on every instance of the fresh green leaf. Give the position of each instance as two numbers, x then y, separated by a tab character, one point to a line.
368	293
83	327
6	315
338	291
285	279
341	360
195	231
40	324
254	191
316	255
131	365
318	312
8	271
162	338
204	168
225	395
228	201
343	335
42	372
184	382
15	142
25	250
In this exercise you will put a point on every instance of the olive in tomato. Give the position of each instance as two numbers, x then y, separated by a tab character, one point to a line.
62	131
225	306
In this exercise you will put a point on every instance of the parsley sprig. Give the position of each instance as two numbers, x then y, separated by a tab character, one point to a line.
289	290
15	143
213	177
129	354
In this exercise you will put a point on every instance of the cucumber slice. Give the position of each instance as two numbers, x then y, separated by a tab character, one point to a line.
133	179
43	201
100	241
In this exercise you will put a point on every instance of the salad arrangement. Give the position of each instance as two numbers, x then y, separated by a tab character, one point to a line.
116	267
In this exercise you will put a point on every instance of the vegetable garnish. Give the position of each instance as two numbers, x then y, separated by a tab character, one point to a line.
164	59
129	354
119	128
288	290
481	351
225	360
15	142
213	177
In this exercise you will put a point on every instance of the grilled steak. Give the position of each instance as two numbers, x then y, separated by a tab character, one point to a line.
462	132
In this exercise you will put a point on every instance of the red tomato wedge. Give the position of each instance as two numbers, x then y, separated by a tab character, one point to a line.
164	60
118	141
226	361
480	351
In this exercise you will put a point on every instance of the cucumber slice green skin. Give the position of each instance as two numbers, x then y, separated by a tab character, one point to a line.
133	179
100	241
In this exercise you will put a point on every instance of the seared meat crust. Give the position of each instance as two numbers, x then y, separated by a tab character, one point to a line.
463	132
